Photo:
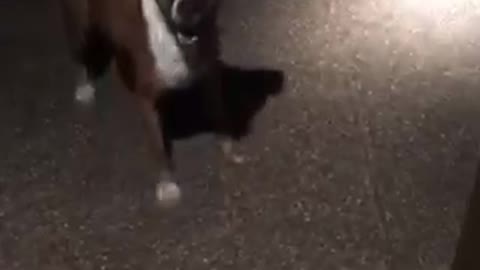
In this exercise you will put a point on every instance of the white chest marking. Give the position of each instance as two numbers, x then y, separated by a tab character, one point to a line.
170	63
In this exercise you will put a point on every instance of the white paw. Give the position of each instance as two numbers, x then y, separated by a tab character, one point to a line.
85	93
237	159
227	148
168	194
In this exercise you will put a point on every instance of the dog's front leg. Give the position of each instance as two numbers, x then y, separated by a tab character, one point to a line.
167	191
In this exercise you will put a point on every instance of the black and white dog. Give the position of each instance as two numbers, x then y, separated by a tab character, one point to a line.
157	46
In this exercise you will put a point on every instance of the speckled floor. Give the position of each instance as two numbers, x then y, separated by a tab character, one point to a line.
366	160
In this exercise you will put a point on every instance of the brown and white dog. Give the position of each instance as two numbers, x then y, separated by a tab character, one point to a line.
157	46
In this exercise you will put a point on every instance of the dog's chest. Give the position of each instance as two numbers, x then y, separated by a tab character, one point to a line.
170	63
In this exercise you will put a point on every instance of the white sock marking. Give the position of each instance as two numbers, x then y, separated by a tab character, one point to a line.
85	91
168	193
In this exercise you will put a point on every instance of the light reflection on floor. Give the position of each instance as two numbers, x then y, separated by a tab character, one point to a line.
437	8
420	34
444	16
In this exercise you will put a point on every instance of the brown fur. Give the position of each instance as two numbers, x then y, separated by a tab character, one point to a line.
100	31
111	29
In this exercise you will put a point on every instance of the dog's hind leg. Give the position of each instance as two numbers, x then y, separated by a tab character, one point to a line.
94	58
90	49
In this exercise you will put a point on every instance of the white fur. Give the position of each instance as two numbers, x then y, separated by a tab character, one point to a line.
170	63
168	193
85	91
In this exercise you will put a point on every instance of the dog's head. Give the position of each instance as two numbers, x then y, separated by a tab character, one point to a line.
189	16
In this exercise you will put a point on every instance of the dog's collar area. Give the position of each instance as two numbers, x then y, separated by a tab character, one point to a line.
187	39
186	34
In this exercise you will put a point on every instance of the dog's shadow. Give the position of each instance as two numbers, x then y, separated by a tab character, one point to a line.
185	112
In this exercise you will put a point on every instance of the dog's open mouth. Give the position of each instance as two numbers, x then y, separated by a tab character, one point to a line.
187	38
